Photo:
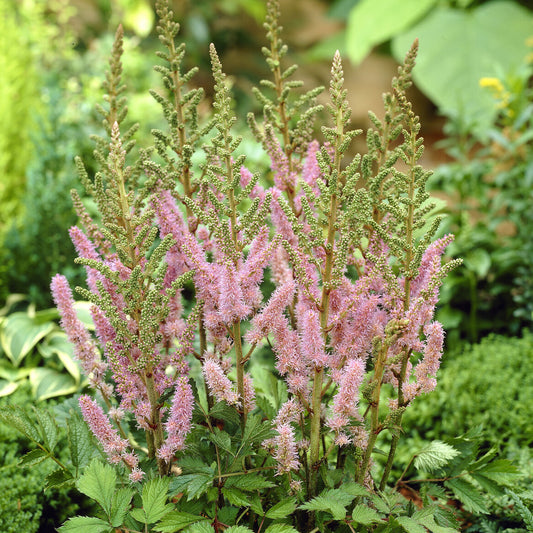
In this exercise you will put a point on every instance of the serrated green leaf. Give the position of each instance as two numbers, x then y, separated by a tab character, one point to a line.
98	482
249	482
223	411
195	465
19	419
434	456
445	517
236	497
79	439
255	504
238	529
282	509
195	484
154	498
486	483
257	430
120	506
200	527
426	518
380	504
20	333
280	528
48	428
410	525
56	479
362	514
352	489
501	471
222	440
468	495
139	515
84	524
328	503
34	457
176	521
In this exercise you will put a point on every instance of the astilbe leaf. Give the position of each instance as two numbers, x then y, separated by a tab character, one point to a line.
434	456
525	513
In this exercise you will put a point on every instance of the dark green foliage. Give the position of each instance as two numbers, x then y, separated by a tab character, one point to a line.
24	506
20	509
489	384
485	388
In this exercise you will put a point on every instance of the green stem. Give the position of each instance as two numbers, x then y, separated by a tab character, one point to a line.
239	360
314	447
375	428
155	422
390	459
316	405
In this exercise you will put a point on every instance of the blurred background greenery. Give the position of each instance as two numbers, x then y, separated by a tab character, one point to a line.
473	91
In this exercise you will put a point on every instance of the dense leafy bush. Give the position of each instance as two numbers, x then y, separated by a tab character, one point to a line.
488	384
24	507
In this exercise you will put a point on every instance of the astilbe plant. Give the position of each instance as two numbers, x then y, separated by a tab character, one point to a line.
357	271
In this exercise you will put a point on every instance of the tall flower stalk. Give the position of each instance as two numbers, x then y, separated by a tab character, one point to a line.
348	242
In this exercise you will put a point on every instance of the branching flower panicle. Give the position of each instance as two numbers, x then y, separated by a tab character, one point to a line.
184	318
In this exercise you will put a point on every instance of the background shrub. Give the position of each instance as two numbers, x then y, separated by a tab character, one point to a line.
488	384
24	507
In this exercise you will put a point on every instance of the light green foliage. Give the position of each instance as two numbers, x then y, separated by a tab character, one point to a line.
372	22
18	105
46	211
99	482
460	469
42	137
335	501
473	44
34	349
435	455
460	44
177	521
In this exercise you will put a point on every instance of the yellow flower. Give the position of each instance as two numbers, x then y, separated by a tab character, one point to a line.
492	83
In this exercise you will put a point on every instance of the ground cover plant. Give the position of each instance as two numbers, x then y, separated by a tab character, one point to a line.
222	405
24	506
